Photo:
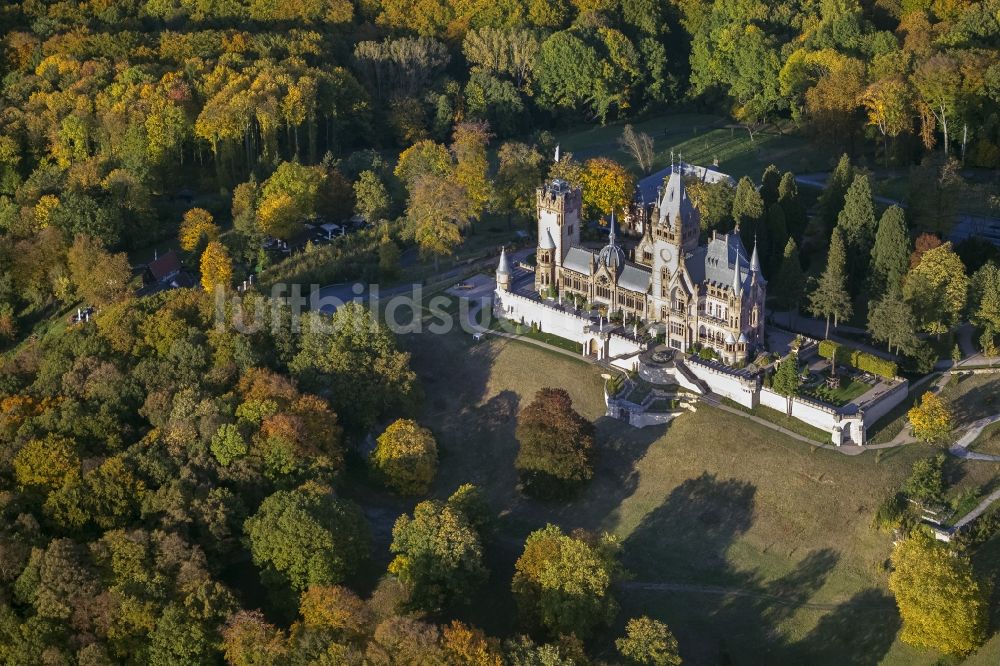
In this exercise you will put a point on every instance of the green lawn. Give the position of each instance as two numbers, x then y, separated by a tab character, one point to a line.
784	420
847	391
712	499
988	440
701	139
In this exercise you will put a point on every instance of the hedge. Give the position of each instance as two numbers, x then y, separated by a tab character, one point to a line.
858	359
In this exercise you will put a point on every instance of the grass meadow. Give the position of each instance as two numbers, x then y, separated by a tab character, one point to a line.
753	547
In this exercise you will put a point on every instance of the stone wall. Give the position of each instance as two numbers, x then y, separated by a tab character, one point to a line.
815	413
876	409
774	400
736	387
619	345
547	318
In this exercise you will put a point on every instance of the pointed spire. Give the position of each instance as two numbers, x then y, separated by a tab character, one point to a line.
754	259
611	231
557	153
504	266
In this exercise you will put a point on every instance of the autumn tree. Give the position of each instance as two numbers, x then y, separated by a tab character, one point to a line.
471	171
518	174
424	158
942	603
607	186
306	536
556	445
439	556
98	276
371	197
937	289
938	81
932	419
250	640
648	642
197	226
287	198
564	583
216	267
830	298
888	102
437	211
405	456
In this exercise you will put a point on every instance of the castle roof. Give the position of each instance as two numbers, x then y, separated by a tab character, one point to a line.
724	262
611	255
503	268
545	242
675	202
579	260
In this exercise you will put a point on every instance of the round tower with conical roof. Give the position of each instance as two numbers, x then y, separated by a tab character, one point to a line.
503	271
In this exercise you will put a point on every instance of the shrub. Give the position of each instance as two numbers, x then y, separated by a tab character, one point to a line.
858	359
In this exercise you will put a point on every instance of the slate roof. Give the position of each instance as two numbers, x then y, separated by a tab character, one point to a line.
164	267
634	278
720	261
579	260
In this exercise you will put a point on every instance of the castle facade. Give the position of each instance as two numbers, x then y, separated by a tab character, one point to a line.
711	295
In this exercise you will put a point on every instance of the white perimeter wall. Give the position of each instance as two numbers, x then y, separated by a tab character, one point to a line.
549	320
769	398
726	385
821	417
876	410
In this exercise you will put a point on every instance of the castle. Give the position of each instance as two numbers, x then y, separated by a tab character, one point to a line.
711	295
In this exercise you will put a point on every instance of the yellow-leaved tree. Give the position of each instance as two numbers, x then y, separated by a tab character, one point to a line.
216	267
941	602
197	224
931	420
607	185
405	456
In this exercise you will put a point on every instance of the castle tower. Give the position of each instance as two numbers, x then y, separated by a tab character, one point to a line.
676	217
558	204
545	262
503	271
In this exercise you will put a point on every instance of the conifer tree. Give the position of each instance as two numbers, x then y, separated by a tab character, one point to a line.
891	320
748	207
790	278
857	222
776	237
891	252
830	298
786	378
795	212
770	181
832	199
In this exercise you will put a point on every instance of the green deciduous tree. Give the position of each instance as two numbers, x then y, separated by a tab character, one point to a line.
563	583
926	481
937	289
98	276
355	361
748	206
648	642
405	456
942	603
439	556
556	445
370	196
306	537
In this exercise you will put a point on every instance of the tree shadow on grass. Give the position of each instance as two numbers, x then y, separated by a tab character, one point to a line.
691	531
859	632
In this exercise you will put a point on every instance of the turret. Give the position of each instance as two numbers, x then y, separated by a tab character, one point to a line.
503	271
755	271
